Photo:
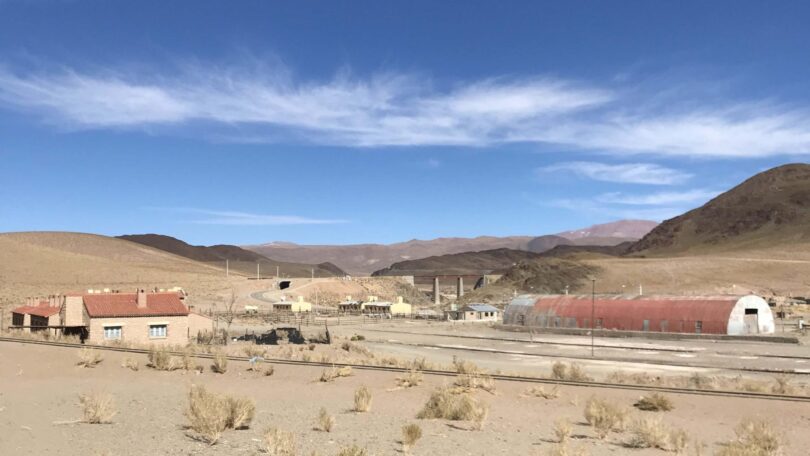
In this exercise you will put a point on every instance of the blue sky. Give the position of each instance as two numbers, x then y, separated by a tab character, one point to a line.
347	122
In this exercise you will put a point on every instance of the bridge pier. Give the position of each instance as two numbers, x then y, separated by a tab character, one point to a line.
459	287
436	298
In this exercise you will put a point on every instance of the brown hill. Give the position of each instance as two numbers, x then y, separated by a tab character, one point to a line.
42	263
240	260
771	208
364	258
484	262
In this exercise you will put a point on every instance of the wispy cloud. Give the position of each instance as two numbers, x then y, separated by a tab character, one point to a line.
212	217
657	199
593	207
260	104
627	173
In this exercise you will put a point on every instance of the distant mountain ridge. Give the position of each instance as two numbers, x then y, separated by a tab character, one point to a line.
366	258
242	260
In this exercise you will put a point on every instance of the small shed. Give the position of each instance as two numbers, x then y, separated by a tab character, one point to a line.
475	312
293	306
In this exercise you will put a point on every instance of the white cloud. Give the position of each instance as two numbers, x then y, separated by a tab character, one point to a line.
593	207
628	173
211	217
267	104
657	199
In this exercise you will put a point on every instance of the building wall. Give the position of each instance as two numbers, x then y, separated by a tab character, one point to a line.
136	329
401	308
199	323
73	312
737	324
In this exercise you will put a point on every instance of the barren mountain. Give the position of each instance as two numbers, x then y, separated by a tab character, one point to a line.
769	209
365	258
626	229
484	262
240	260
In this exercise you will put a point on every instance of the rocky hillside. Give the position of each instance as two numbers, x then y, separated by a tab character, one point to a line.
484	262
241	260
771	208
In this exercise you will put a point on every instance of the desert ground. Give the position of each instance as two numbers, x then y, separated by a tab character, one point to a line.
37	417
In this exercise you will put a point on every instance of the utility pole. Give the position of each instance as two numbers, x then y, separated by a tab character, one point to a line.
257	270
312	273
227	269
276	271
593	309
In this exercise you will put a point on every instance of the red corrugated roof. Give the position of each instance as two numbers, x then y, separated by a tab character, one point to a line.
673	314
42	310
126	305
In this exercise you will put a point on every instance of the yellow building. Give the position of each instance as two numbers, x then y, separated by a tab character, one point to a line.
293	306
383	307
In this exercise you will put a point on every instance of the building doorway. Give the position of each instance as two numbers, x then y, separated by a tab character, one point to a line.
751	321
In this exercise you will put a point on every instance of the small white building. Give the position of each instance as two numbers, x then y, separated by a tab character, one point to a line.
475	312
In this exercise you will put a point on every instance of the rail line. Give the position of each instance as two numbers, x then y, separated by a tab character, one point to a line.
444	373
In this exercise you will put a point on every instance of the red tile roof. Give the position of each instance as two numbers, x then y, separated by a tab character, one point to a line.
126	305
41	310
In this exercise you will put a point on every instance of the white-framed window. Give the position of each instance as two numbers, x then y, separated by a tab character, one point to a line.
158	331
112	332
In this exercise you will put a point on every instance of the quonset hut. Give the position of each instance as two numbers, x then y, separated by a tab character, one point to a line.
735	315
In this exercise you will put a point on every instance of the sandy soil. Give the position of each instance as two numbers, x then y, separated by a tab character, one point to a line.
40	385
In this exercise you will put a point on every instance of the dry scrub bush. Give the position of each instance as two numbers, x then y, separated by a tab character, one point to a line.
754	438
604	416
470	382
89	358
362	399
443	404
325	421
562	449
353	450
421	364
269	371
653	433
130	363
700	381
562	430
539	391
465	367
411	433
253	350
210	414
97	408
355	348
220	364
276	442
411	379
333	372
655	402
574	372
782	385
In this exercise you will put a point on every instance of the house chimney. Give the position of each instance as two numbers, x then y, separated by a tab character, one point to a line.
399	299
141	299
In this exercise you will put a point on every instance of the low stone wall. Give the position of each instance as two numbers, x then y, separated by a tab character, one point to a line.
646	335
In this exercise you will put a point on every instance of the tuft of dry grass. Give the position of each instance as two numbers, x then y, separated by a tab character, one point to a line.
334	372
562	449
131	364
572	372
411	433
160	359
782	385
605	417
353	450
220	364
651	432
253	350
470	382
325	421
210	414
411	379
362	399
89	357
655	402
539	391
97	408
465	367
754	438
443	404
562	430
276	442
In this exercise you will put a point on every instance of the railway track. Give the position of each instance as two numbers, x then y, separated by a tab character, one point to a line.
443	373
